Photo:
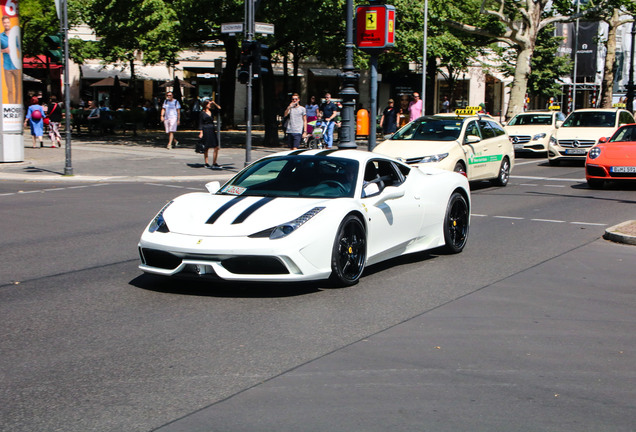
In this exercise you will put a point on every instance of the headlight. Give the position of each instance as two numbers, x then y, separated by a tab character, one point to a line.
553	141
287	228
594	152
433	158
159	223
538	136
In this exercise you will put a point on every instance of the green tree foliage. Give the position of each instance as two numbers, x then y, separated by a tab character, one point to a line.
38	19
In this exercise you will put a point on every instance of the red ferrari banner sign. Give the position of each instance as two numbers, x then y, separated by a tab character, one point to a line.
375	27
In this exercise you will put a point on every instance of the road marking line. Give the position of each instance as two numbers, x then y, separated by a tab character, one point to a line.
7	194
557	186
588	223
549	178
548	220
528	184
479	215
509	217
529	162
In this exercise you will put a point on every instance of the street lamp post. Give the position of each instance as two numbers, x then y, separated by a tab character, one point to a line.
629	103
348	91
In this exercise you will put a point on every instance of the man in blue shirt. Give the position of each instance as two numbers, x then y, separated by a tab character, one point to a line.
329	111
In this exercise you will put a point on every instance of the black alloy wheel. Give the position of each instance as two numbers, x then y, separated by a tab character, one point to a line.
504	173
456	223
349	252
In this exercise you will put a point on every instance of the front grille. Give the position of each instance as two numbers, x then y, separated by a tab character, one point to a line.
520	139
159	259
254	265
595	171
581	143
622	174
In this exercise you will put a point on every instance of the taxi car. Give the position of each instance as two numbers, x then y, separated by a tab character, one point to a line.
612	159
531	131
582	129
465	141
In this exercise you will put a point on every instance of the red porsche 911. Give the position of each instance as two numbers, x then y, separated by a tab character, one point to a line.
612	159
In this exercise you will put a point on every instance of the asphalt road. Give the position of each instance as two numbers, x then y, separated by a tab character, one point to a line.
89	343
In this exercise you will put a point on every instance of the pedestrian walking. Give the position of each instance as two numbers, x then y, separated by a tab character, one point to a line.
54	114
312	114
297	127
388	121
35	118
415	107
329	112
445	105
171	117
207	133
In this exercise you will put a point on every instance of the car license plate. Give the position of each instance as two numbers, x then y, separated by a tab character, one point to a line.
576	151
623	169
518	146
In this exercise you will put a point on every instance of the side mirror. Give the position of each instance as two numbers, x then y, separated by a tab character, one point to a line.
213	187
603	140
558	123
389	193
472	139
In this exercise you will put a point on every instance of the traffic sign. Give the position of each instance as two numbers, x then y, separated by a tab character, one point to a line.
263	28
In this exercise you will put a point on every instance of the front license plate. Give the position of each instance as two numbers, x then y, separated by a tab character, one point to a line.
577	151
518	146
623	169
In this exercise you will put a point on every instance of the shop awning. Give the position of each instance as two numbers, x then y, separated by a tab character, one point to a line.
98	71
325	72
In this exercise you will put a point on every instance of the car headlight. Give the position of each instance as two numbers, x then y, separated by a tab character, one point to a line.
553	141
433	158
538	136
283	230
159	223
594	152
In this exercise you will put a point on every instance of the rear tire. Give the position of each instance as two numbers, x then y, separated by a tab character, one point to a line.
504	173
456	223
349	254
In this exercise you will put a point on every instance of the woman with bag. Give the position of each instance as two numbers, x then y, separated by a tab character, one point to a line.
55	118
35	117
207	134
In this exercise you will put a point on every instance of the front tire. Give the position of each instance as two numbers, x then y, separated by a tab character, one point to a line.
349	253
504	173
456	223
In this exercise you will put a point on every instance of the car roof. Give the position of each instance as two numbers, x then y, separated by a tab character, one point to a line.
598	110
361	156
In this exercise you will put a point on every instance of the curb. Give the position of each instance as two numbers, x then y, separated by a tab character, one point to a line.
622	233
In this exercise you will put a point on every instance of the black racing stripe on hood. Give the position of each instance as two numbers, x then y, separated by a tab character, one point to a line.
327	152
251	209
217	214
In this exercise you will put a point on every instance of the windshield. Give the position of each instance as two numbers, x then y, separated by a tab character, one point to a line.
531	119
591	119
624	134
296	176
431	129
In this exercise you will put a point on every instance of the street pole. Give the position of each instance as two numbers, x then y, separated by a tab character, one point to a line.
249	35
374	102
424	54
576	57
349	81
68	167
629	103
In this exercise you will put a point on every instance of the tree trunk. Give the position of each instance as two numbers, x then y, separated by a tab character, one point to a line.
519	85
269	110
607	88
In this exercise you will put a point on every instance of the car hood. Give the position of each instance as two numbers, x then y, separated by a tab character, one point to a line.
203	214
583	133
411	148
616	153
529	129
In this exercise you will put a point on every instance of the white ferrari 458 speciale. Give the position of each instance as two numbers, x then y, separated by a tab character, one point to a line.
308	215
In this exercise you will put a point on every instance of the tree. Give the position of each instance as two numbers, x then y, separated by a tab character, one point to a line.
520	23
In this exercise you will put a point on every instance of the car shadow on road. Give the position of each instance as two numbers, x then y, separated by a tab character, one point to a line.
225	289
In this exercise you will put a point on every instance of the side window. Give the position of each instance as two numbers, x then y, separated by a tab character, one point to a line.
472	129
560	116
378	175
486	131
499	131
626	118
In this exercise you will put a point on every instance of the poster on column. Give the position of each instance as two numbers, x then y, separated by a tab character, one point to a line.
11	67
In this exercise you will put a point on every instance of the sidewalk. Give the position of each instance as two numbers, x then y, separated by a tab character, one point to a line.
128	158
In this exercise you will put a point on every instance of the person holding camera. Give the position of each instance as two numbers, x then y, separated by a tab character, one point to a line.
297	126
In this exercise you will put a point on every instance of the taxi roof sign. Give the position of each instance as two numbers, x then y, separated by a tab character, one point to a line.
468	111
619	105
554	107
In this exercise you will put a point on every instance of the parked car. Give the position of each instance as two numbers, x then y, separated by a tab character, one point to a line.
531	131
474	144
308	215
582	129
613	159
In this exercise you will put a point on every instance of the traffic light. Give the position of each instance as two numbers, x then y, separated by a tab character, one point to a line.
260	59
247	48
55	51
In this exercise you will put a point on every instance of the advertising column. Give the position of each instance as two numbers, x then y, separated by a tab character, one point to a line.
11	147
